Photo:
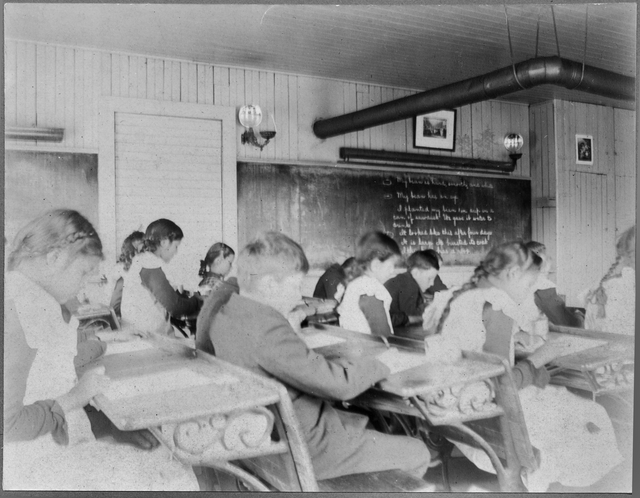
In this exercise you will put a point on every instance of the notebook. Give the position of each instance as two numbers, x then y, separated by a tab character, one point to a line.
316	341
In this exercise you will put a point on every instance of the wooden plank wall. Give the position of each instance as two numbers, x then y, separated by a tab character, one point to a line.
579	210
60	86
626	168
543	179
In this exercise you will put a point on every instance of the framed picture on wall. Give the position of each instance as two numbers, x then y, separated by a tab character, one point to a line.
584	149
436	130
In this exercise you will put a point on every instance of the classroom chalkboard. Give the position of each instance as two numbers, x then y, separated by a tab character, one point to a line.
36	181
326	209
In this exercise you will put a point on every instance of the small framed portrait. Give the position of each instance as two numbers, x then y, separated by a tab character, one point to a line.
436	130
584	149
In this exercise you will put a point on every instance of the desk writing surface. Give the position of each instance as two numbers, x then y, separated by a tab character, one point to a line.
431	377
422	379
601	354
202	385
566	345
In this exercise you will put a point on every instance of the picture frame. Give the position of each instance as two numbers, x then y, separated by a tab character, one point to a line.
584	149
435	130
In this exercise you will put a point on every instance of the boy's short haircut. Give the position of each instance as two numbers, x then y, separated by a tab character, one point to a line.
425	260
270	253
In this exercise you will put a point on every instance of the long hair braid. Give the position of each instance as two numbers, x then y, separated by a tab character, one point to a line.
598	296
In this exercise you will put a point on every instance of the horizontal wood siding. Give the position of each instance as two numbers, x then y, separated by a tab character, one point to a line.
59	86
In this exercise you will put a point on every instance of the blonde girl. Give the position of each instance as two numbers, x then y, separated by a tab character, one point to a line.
610	307
574	436
52	439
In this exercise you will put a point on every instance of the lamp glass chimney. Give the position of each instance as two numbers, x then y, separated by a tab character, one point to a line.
250	115
513	142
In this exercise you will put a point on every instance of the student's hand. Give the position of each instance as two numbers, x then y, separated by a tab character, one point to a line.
142	439
295	318
527	343
414	320
92	383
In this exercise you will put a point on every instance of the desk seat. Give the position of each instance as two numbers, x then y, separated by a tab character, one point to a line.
388	481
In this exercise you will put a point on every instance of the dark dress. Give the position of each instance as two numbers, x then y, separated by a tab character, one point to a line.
548	301
328	283
406	299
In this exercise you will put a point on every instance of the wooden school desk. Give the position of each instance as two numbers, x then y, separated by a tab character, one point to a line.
605	368
205	411
443	395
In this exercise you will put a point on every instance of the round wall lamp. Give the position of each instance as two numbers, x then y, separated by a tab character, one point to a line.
513	142
250	116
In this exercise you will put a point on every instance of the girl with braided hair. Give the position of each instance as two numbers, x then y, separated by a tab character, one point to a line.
573	436
53	439
610	307
149	300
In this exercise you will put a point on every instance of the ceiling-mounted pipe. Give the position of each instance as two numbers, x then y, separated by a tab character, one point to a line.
528	74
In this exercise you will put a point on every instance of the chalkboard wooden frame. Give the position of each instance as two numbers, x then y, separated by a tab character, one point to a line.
326	209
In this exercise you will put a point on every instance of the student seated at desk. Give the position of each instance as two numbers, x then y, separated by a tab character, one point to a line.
148	299
366	302
406	289
331	283
545	298
131	246
573	435
610	307
52	439
252	331
438	285
215	267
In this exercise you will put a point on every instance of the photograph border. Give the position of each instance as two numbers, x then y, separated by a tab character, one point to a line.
422	142
579	138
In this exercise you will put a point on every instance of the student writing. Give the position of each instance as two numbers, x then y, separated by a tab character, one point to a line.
131	246
52	440
148	298
545	296
573	435
406	289
251	330
366	302
215	267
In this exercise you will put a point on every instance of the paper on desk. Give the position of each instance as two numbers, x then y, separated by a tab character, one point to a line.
127	347
320	340
398	361
566	344
162	382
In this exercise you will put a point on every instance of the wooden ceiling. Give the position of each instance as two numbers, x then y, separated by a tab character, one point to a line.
409	46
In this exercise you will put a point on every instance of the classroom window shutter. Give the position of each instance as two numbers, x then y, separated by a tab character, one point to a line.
170	167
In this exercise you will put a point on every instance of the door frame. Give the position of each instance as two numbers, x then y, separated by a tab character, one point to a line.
109	106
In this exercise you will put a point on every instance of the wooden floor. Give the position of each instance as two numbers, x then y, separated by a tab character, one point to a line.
467	478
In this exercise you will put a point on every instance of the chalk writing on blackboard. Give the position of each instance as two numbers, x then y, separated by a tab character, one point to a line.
440	201
327	209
